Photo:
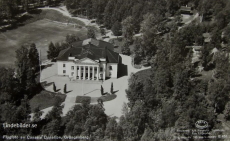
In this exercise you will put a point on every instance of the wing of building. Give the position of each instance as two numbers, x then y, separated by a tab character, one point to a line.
90	59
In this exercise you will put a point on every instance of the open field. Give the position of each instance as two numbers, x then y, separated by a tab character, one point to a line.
50	14
41	32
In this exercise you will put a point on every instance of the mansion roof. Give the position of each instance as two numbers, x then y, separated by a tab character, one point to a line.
90	48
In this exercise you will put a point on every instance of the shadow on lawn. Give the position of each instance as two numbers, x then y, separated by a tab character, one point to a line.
45	84
57	90
68	91
46	66
115	92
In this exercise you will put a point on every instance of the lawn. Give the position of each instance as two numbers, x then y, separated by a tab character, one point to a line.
80	99
40	32
45	99
50	14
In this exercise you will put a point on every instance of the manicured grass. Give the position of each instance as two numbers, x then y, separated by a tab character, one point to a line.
45	99
41	32
50	14
108	97
80	99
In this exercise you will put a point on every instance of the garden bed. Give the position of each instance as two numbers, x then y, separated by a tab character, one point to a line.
46	99
80	99
108	97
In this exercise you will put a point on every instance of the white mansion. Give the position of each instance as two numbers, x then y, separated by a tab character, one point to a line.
90	59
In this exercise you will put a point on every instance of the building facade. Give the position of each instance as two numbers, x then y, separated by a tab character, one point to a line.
90	59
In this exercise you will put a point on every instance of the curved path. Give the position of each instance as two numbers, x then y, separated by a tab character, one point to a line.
92	89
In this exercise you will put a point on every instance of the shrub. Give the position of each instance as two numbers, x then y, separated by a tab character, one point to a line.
54	87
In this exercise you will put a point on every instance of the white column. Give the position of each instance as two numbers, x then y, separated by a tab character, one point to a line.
79	72
104	72
75	72
84	73
97	72
93	73
88	72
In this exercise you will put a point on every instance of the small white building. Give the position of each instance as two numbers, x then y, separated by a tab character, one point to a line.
90	59
196	53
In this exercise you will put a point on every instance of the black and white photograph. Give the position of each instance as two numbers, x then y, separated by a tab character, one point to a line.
114	70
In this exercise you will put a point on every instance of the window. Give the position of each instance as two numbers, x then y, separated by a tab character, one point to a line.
110	67
63	65
72	73
110	74
64	71
72	67
101	69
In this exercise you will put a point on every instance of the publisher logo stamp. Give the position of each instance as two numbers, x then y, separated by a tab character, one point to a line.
201	124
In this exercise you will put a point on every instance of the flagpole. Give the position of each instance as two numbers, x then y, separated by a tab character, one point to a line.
40	63
82	88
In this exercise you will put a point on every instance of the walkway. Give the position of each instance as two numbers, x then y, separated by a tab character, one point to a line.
81	88
113	107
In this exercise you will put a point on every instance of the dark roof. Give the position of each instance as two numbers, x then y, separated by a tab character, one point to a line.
98	43
88	51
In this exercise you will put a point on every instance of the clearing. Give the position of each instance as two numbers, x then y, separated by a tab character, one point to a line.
41	32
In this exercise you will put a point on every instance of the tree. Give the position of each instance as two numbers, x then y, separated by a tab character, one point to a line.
22	65
128	29
181	85
227	111
54	87
111	129
71	38
103	33
65	91
102	90
37	115
117	29
111	89
52	52
91	33
151	28
138	51
108	13
31	85
23	111
33	57
218	95
56	111
26	7
52	128
125	48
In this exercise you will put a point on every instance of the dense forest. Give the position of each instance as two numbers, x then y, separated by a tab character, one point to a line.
174	95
